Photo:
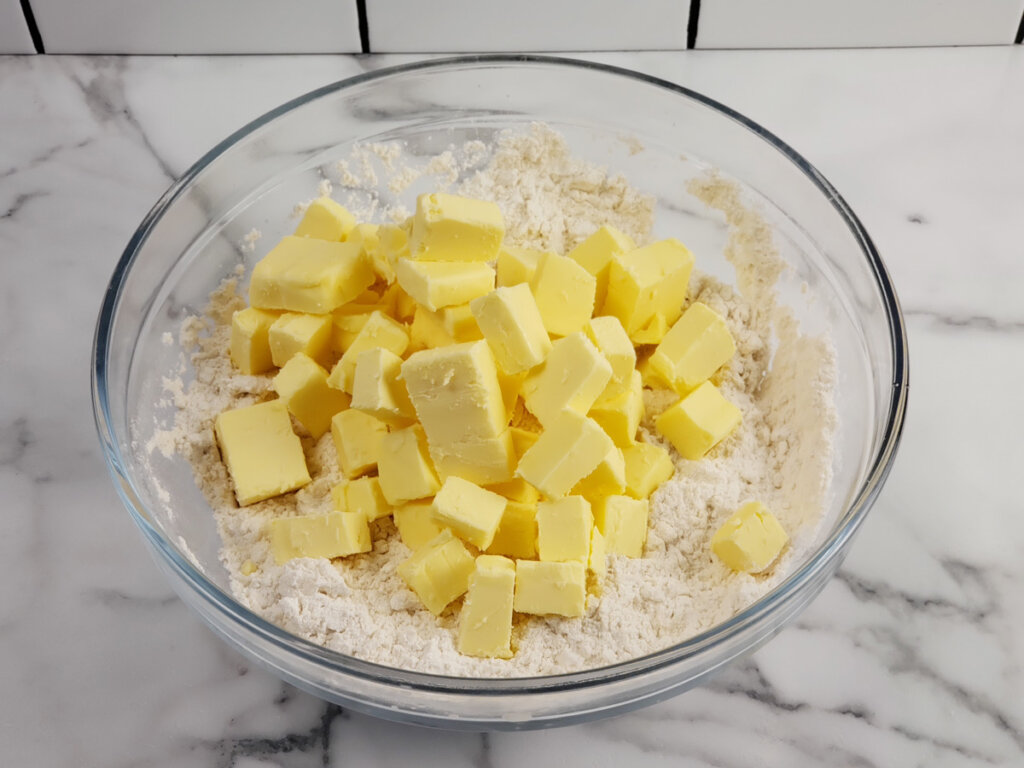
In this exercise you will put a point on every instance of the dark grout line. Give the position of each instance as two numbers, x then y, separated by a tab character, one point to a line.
33	28
691	27
364	26
1020	32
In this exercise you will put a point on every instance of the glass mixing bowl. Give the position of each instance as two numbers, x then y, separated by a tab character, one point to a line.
190	241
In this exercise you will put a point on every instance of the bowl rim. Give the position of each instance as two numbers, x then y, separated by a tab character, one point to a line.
225	603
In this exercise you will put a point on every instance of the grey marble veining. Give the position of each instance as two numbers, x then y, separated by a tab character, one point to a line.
914	653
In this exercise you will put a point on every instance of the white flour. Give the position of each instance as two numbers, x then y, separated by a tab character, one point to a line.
781	453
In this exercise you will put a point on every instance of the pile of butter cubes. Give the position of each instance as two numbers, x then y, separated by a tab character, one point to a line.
485	397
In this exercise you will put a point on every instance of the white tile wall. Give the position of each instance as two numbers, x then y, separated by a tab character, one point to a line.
198	26
852	23
424	26
14	36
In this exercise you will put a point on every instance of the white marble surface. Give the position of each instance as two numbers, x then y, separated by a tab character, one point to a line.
913	655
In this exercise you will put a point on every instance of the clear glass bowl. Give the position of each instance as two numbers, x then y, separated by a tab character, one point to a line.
189	242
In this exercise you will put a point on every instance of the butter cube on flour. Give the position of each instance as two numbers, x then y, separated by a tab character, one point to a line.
250	343
609	476
416	524
544	588
302	274
437	284
293	333
620	414
647	467
326	219
470	511
566	452
564	292
364	495
357	439
648	281
623	523
438	572
571	379
694	348
563	529
404	467
595	255
750	540
302	386
263	455
511	323
517	533
485	623
451	228
337	534
699	421
517	265
607	334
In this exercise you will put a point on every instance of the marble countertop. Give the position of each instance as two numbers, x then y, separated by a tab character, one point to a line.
914	653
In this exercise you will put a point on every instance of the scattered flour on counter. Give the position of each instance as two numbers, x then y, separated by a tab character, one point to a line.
781	453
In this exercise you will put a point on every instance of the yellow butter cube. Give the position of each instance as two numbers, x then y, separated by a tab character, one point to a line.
337	534
416	524
517	265
263	455
392	245
647	467
623	523
694	348
648	281
364	495
699	421
338	500
305	275
517	533
439	571
511	323
484	462
427	330
472	512
597	563
653	331
357	439
250	343
326	219
437	284
610	338
608	477
460	324
451	228
564	292
302	387
619	415
404	467
567	451
571	379
485	623
595	255
380	331
563	529
751	540
347	321
544	588
293	333
378	389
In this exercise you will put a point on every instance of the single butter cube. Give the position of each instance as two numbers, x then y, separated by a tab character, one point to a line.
437	284
595	255
485	623
517	265
460	324
337	534
392	245
326	219
567	451
597	563
364	495
611	340
338	500
357	439
347	321
571	379
305	275
511	323
619	415
648	281
263	455
451	228
544	588
302	386
293	333
484	462
623	523
647	467
380	331
608	477
564	292
653	331
427	330
470	511
250	343
699	421
377	387
517	533
750	540
438	572
563	529
695	347
416	524
404	467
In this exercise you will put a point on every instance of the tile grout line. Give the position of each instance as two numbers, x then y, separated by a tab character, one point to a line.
691	26
364	25
33	28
